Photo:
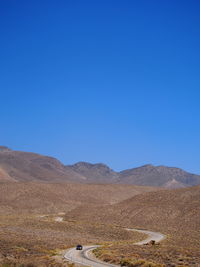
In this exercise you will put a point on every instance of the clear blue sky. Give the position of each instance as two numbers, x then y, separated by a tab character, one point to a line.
102	81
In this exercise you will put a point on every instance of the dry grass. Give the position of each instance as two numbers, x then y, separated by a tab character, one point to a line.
25	238
175	213
47	198
91	218
158	255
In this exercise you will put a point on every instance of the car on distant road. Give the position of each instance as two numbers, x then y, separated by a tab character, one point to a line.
79	247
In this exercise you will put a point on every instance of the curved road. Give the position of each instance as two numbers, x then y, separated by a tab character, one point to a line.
86	258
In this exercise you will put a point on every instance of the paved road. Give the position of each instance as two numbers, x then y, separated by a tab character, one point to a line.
151	236
84	257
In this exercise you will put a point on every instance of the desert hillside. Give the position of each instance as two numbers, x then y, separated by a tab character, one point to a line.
27	166
159	176
95	172
18	166
173	212
51	198
97	214
31	235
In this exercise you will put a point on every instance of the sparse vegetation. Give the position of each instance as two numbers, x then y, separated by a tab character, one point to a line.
31	238
28	237
127	254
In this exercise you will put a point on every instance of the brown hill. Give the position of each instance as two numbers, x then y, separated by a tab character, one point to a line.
95	172
147	175
173	212
4	177
29	231
44	198
159	176
26	166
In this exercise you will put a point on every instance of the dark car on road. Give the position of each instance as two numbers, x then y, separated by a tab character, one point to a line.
79	247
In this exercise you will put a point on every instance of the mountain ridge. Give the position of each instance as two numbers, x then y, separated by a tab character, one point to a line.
27	166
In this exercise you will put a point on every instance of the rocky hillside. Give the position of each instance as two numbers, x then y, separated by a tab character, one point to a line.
45	198
159	176
172	212
95	172
25	166
147	175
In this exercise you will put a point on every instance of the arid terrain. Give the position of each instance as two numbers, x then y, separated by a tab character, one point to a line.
175	213
44	198
41	217
30	232
21	166
97	214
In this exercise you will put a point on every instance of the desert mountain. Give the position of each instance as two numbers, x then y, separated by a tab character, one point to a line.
173	212
26	166
95	172
159	176
147	175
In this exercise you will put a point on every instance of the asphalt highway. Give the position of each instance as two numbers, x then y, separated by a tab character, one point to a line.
85	256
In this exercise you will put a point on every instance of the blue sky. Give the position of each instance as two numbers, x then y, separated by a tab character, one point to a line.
102	81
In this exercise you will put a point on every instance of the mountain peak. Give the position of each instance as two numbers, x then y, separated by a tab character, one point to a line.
83	164
147	166
27	166
95	172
